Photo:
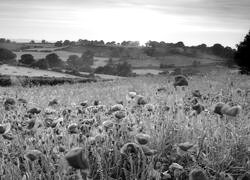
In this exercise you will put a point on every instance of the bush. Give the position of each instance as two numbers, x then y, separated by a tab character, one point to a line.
7	56
41	64
27	59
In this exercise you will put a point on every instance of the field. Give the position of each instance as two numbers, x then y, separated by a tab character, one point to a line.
23	71
37	144
64	55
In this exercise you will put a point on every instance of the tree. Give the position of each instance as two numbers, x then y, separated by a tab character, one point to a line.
32	42
41	64
124	69
217	49
66	43
242	55
74	61
88	58
58	44
43	41
2	40
27	59
53	60
7	56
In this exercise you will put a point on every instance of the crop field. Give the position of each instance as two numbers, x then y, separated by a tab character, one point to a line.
30	72
64	55
176	60
139	128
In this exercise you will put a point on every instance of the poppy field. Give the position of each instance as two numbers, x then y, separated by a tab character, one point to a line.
142	128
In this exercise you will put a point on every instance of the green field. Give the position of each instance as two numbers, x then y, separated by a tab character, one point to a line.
30	72
219	144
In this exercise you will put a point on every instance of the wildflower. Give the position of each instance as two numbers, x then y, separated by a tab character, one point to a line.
225	109
76	159
32	155
116	107
197	174
141	100
196	93
185	146
142	139
180	80
53	102
73	128
5	128
147	151
9	104
33	111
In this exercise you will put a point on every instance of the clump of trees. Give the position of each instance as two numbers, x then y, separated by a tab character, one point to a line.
7	56
120	69
27	59
242	55
82	63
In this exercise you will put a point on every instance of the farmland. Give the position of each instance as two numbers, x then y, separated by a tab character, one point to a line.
35	145
23	71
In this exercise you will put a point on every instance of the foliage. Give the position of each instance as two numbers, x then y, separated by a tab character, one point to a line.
6	55
121	69
27	59
54	60
41	64
242	55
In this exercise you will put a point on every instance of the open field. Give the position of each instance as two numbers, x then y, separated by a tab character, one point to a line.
30	72
64	55
218	144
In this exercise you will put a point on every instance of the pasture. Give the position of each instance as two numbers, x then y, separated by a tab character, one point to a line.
30	72
38	145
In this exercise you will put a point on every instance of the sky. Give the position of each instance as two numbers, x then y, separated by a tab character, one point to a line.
190	21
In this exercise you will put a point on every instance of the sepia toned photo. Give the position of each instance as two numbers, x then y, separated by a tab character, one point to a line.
124	89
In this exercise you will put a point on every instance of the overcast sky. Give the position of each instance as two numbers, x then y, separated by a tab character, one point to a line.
191	21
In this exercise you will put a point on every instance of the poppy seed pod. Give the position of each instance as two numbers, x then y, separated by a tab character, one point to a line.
197	174
76	159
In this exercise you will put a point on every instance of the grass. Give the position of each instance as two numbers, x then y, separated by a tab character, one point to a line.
30	72
220	144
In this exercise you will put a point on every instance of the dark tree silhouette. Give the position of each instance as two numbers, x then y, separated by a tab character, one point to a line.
242	55
6	56
74	61
27	59
88	58
41	64
54	60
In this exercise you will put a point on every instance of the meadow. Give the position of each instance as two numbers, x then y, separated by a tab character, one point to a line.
153	135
